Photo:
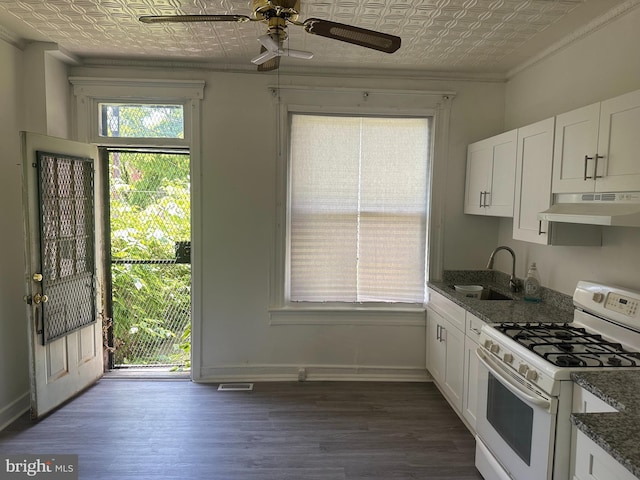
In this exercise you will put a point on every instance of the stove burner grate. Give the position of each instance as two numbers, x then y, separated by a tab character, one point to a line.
568	361
566	345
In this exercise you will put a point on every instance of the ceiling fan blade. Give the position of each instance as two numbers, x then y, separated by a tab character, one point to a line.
264	56
350	34
193	18
268	43
269	65
287	52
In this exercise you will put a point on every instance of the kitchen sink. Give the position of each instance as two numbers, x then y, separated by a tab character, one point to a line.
491	294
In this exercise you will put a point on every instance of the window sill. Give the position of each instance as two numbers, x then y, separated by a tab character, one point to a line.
413	316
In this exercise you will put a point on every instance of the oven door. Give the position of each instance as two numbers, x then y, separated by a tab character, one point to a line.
515	425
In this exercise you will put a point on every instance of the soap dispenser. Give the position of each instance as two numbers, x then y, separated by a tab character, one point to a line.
532	284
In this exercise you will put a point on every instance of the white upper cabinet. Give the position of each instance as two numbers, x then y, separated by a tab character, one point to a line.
534	162
491	165
596	147
619	144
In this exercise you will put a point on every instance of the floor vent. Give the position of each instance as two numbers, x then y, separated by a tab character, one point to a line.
235	387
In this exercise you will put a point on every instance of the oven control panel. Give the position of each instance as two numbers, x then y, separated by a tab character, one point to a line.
621	304
616	304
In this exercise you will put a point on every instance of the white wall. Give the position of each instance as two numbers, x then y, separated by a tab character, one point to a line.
14	380
238	230
600	66
239	178
34	95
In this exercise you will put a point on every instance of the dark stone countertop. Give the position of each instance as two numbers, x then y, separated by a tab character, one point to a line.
617	433
554	307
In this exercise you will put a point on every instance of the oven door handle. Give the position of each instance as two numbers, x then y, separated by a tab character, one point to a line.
513	386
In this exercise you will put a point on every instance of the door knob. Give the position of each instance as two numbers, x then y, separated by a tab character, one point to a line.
37	277
37	298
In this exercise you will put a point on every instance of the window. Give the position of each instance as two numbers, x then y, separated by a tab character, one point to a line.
129	120
358	190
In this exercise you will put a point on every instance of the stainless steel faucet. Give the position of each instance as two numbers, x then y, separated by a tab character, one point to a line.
514	283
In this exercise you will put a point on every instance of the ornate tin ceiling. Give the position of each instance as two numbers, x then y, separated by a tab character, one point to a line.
481	36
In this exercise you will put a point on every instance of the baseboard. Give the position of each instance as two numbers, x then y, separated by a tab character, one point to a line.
287	373
14	410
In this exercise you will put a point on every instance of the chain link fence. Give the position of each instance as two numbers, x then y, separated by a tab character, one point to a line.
151	273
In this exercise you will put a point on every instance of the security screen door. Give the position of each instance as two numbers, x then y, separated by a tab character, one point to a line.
63	269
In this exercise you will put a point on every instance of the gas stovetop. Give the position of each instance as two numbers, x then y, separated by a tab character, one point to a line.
566	345
604	335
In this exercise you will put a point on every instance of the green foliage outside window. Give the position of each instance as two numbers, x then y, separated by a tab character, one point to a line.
150	211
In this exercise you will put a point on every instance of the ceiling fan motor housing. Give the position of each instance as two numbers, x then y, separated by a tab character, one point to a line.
285	9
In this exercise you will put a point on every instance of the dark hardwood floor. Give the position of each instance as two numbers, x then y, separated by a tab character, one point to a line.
137	429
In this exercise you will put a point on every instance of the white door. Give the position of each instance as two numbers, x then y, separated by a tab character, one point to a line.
64	267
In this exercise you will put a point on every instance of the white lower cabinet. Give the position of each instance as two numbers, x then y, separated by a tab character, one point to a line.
452	338
593	463
445	347
470	376
590	461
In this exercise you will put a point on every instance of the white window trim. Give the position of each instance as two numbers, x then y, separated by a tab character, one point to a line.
297	99
90	92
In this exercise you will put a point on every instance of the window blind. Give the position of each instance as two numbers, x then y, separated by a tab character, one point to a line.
357	218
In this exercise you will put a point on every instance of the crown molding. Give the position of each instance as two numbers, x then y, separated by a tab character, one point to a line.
577	35
10	37
350	72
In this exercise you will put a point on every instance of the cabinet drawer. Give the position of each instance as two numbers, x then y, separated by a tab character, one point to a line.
473	326
586	402
448	309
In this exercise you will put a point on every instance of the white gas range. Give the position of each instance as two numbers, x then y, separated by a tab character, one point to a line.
525	388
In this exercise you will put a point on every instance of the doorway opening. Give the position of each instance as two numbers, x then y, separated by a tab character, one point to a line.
149	213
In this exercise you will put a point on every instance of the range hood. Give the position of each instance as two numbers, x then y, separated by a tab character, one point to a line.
611	209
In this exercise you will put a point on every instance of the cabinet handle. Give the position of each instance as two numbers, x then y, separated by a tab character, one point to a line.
475	330
540	232
483	199
595	169
586	159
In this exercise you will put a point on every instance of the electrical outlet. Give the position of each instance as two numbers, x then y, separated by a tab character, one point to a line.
302	374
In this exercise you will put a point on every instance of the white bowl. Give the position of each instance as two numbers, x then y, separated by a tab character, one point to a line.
471	291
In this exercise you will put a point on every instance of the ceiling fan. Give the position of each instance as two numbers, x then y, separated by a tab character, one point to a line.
276	14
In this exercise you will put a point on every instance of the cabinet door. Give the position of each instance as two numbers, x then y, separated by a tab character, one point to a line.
499	197
479	159
594	463
454	364
619	144
534	162
436	349
470	397
575	145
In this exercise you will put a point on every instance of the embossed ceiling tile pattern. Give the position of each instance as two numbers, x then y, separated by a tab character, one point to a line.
463	34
